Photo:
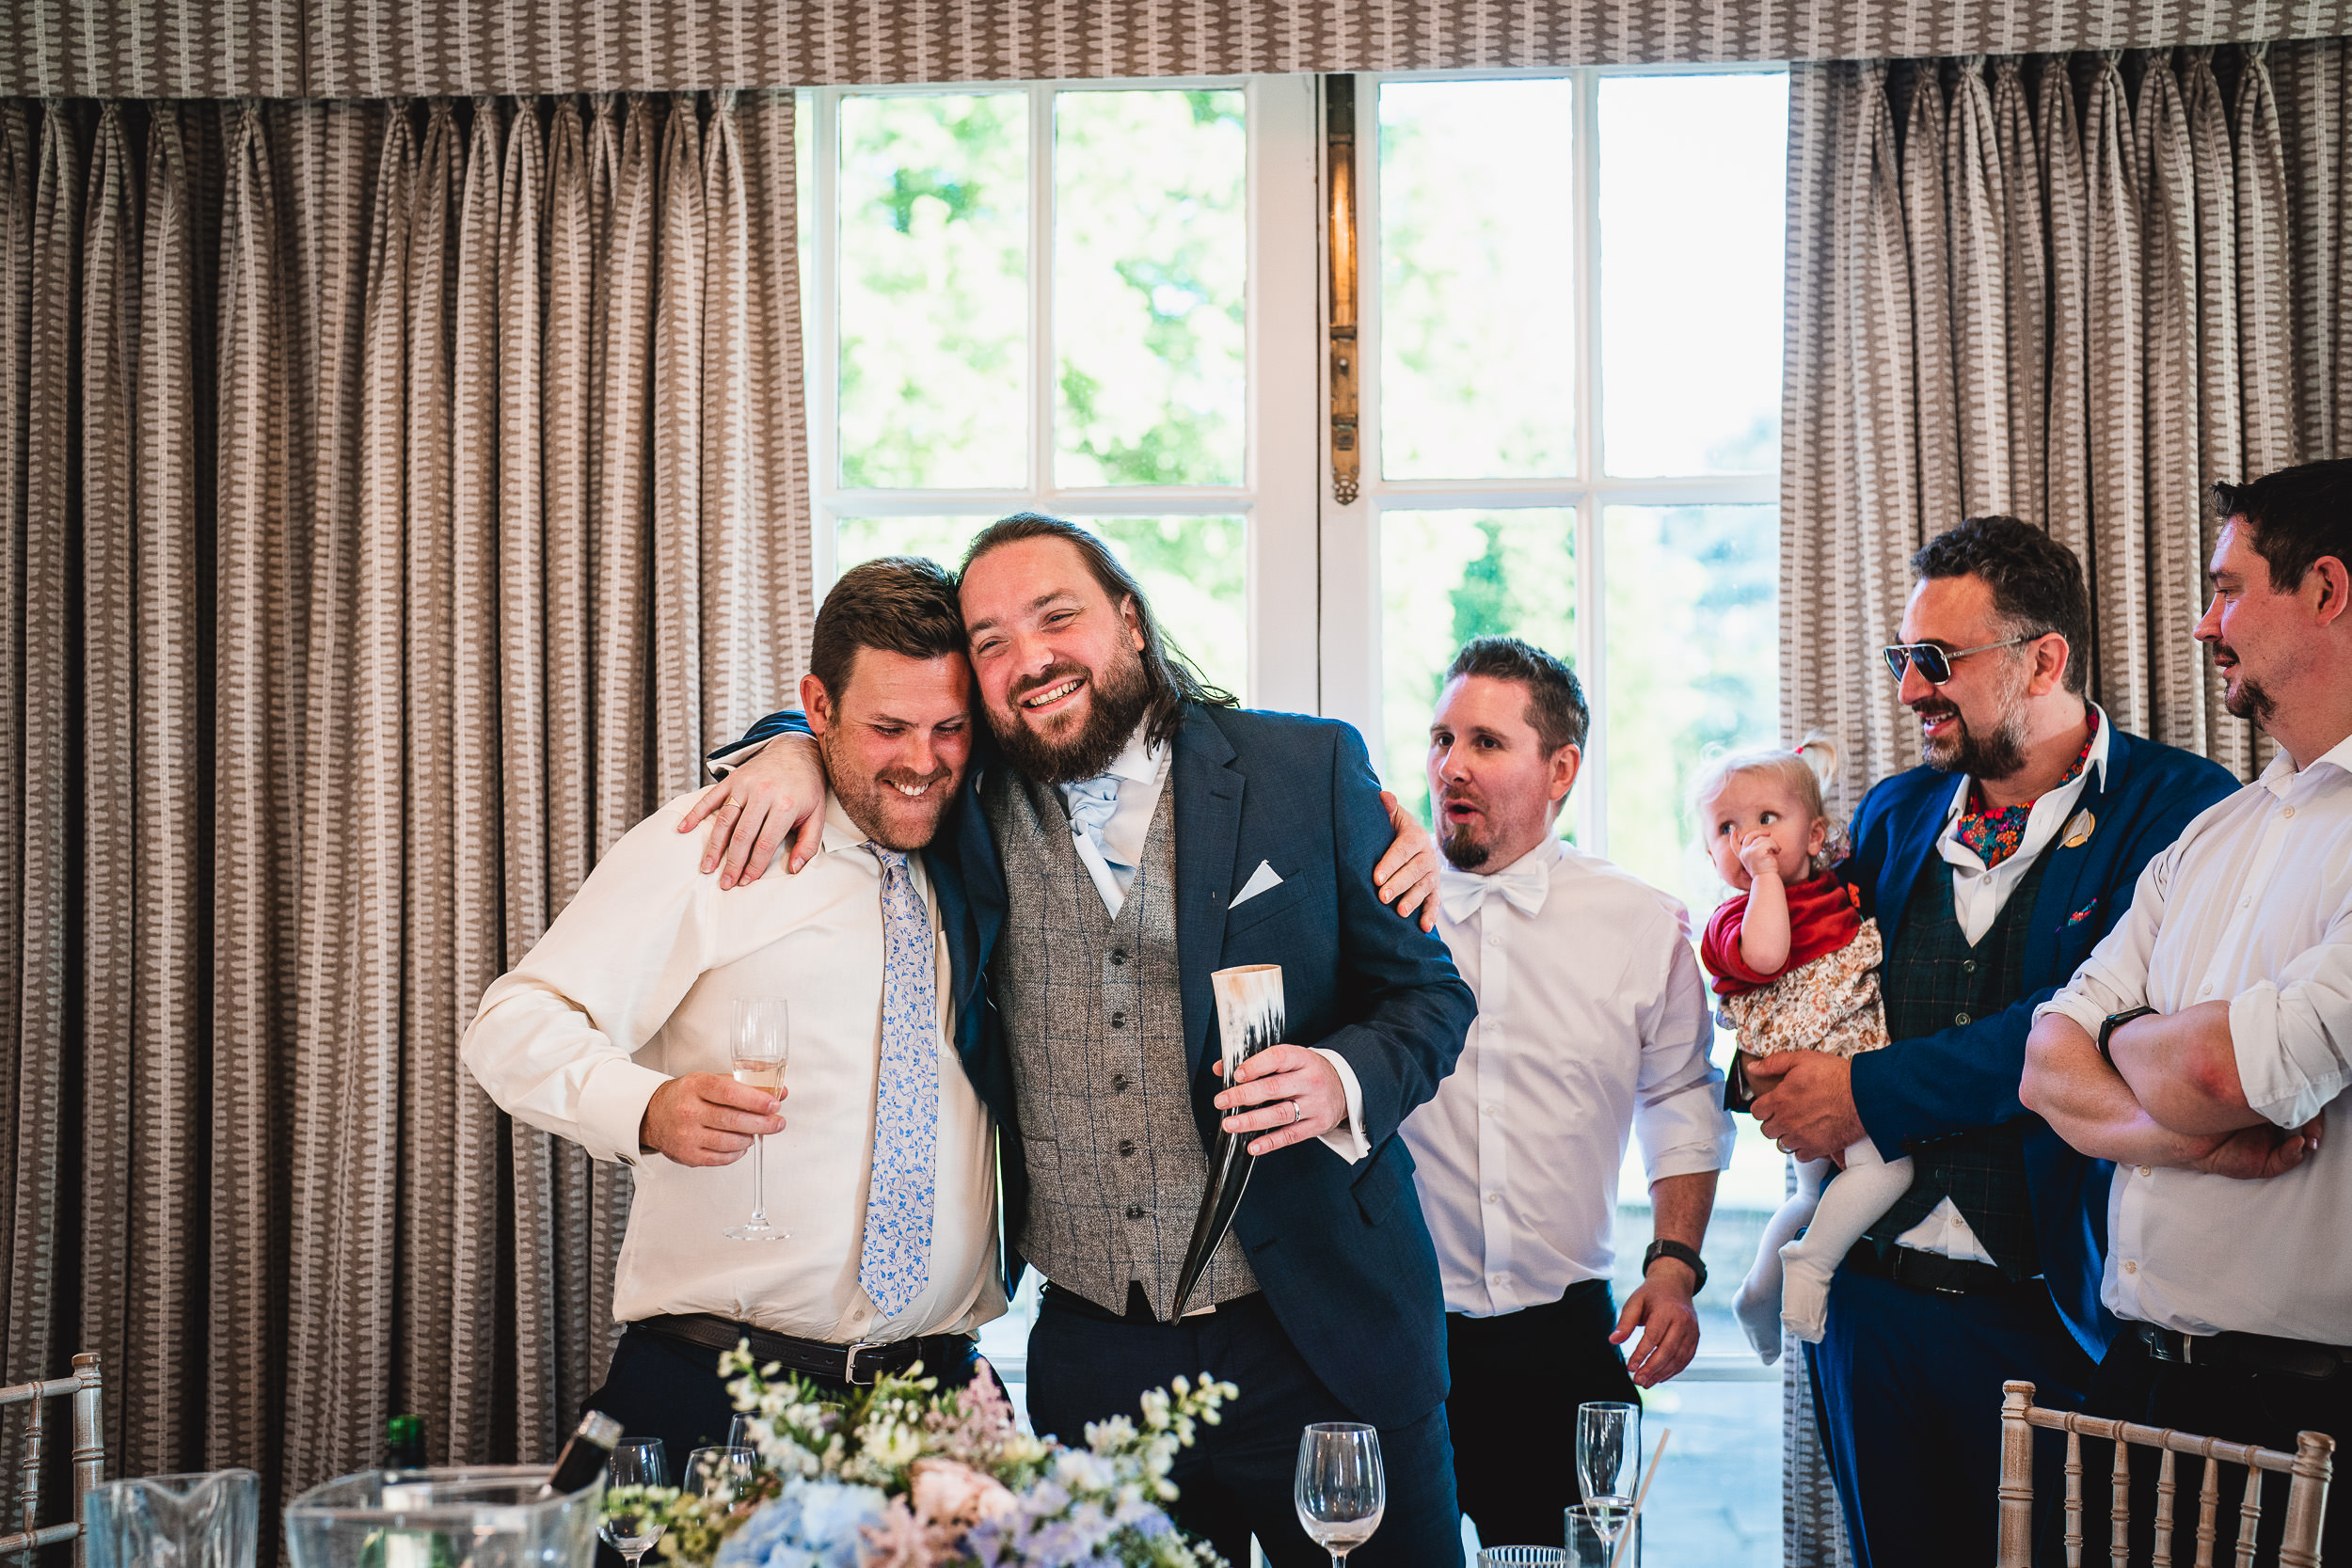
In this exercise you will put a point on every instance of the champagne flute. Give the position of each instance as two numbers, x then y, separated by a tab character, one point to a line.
762	1038
1607	1459
635	1462
1340	1491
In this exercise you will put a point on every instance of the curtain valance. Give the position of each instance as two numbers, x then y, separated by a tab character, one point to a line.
403	48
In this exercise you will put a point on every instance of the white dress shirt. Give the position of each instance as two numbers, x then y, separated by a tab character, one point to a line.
2252	902
1978	897
634	983
1593	1026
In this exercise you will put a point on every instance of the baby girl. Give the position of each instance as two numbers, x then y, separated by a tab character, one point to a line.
1797	968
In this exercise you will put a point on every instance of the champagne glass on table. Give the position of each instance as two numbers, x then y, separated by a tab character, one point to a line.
1608	1460
723	1476
1340	1491
760	1042
635	1462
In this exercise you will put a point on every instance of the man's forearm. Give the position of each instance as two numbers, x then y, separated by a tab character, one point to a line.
2183	1069
2088	1104
1680	1206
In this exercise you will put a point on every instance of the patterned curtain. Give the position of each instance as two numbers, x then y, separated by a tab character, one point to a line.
397	494
2077	289
377	49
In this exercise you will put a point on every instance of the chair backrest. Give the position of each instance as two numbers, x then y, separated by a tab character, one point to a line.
2308	1468
90	1454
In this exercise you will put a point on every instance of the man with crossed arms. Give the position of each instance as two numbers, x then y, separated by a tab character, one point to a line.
2205	1045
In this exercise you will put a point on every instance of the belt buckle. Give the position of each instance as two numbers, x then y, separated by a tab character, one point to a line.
848	1364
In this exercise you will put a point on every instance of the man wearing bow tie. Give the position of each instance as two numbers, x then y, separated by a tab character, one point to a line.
1592	1025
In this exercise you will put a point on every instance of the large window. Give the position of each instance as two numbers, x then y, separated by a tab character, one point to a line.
1059	298
1103	301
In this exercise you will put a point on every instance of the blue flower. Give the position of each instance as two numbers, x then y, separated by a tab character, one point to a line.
813	1523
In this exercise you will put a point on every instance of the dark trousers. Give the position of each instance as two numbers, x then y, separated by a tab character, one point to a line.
2266	1409
1236	1480
1907	1390
1514	1470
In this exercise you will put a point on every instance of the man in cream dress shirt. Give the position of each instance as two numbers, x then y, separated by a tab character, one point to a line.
614	1032
2205	1045
1593	1026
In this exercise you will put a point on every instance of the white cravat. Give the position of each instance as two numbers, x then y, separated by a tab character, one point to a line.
1524	882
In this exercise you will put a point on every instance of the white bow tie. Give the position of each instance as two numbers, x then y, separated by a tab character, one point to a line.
1462	894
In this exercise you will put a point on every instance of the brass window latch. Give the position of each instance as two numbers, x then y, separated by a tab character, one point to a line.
1338	132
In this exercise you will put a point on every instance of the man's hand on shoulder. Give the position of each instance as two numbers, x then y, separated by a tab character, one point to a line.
1408	874
1804	1103
759	804
707	1118
1661	1311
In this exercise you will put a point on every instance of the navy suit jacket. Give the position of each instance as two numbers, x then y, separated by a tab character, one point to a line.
1968	1076
1341	1250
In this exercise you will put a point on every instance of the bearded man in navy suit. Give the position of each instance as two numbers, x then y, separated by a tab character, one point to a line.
1992	872
1132	832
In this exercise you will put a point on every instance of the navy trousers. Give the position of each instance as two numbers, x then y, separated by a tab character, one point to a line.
1907	1389
1236	1480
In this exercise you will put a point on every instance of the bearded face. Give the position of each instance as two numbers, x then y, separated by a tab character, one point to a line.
1053	742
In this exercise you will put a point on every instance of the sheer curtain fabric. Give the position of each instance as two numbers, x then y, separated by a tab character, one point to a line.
397	493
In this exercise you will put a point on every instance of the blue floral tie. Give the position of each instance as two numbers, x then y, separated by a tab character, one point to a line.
896	1264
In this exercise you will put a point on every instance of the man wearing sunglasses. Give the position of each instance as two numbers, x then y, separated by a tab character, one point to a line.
1991	871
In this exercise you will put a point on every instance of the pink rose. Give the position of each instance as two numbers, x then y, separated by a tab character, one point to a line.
949	1492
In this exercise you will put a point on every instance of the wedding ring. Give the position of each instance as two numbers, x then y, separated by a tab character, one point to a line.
1298	1113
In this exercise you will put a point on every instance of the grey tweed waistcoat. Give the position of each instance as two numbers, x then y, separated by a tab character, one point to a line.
1096	1024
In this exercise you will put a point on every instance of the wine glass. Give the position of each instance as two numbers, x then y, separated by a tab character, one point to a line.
739	1433
1340	1492
1598	1534
723	1475
635	1462
762	1038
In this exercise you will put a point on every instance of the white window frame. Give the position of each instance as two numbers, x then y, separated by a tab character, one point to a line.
1282	427
1352	601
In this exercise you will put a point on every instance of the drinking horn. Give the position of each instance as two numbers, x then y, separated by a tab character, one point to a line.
1249	1019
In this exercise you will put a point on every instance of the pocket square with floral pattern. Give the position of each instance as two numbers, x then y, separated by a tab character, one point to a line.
2084	914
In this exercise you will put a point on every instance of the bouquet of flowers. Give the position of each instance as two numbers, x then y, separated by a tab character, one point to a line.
900	1475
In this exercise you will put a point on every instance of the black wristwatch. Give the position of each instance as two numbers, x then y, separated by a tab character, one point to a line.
2115	1021
1681	1254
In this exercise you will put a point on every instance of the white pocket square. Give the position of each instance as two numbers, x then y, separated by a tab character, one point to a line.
1261	881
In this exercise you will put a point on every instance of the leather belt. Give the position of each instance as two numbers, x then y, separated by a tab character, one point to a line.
1932	1272
2245	1353
859	1363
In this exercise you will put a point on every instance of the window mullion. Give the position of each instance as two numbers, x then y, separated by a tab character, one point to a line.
1042	296
1592	650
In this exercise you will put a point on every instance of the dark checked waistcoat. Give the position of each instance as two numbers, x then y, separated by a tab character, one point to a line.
1095	1022
1933	979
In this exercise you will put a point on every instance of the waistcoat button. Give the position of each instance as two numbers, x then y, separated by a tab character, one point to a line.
1119	1020
1119	955
1127	1147
1960	1018
1967	966
1135	1210
1119	1081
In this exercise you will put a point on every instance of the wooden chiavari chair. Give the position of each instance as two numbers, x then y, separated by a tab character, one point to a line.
86	1390
2308	1468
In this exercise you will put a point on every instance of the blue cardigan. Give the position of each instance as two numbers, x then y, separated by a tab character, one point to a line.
1968	1076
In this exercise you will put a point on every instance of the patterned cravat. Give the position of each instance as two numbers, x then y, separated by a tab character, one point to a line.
1093	801
1996	834
896	1264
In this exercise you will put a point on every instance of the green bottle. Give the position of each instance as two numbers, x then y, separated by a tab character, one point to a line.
404	1443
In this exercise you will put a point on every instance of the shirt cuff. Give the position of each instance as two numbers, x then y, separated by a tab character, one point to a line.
2275	1087
1346	1140
723	762
2074	1005
613	1105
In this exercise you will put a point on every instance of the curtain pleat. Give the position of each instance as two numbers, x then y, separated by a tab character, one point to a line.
2220	429
2173	570
376	473
2113	322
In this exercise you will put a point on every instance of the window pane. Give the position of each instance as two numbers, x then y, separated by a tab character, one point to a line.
1692	178
1150	257
1477	301
934	289
1447	577
1694	662
1192	569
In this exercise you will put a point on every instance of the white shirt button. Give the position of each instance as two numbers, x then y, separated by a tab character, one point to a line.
2146	1171
2130	1267
1488	1110
1494	1197
2289	812
1496	1278
1986	879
